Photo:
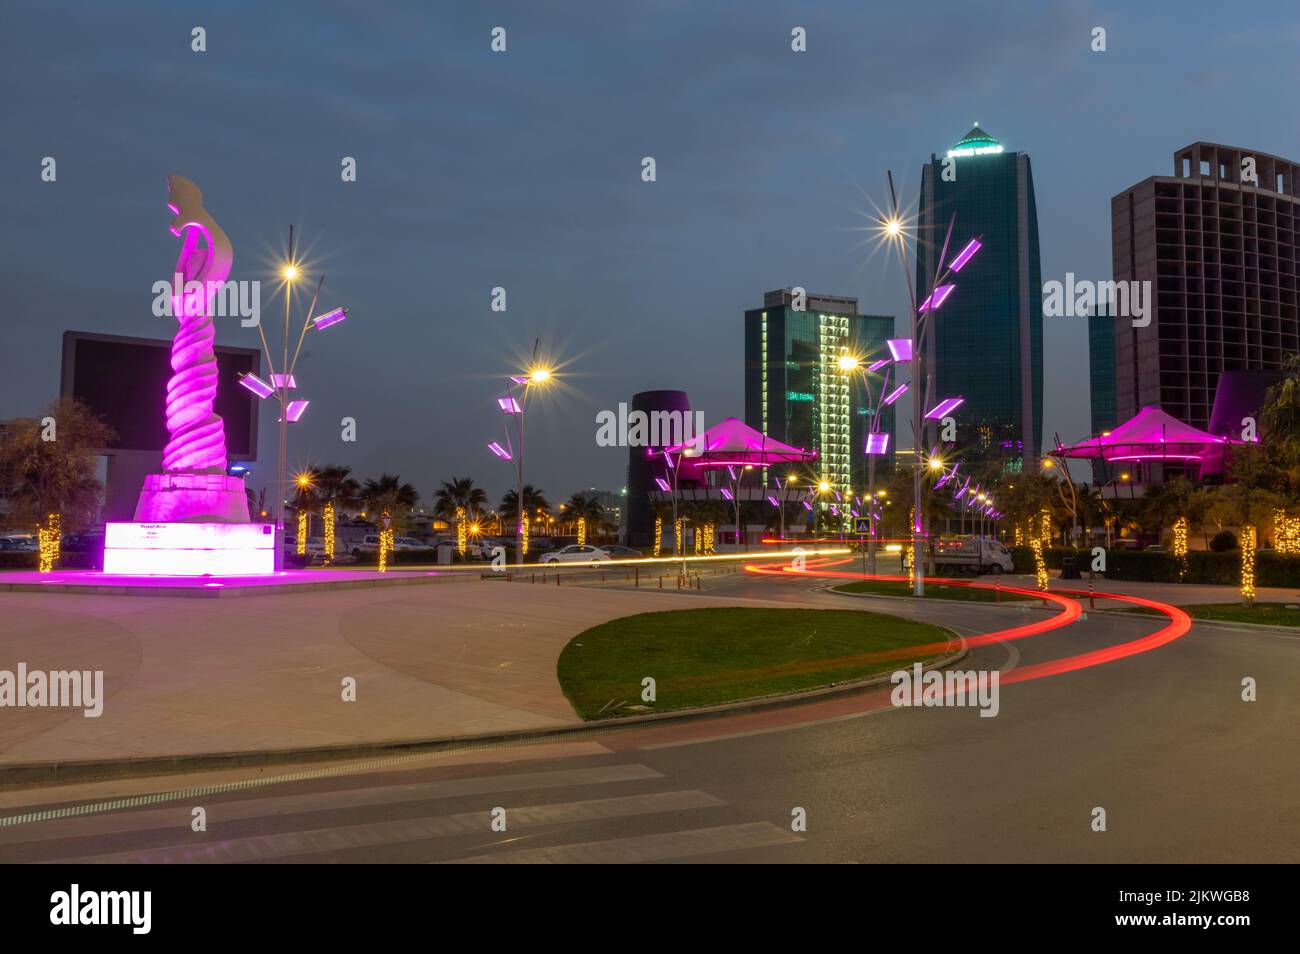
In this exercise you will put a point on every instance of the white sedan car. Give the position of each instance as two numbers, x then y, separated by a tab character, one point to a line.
575	553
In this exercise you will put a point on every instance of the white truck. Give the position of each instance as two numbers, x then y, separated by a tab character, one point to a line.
971	555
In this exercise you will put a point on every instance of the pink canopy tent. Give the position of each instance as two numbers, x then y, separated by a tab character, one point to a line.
1152	437
734	445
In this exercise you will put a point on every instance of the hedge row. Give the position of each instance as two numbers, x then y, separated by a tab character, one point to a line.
1203	566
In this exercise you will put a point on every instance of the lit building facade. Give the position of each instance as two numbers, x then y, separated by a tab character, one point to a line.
986	343
796	392
1222	258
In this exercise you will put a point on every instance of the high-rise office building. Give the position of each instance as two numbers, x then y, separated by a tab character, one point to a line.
1101	380
1222	258
986	343
796	392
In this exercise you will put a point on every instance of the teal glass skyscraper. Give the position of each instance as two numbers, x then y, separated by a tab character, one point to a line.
796	392
986	342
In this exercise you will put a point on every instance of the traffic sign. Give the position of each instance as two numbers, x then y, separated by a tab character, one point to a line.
861	524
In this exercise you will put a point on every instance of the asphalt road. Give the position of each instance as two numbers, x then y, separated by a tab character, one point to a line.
1162	741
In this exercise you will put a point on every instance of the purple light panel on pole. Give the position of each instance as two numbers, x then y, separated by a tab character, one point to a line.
330	318
943	407
965	255
726	494
878	365
901	348
937	298
877	443
508	405
895	394
663	484
283	380
255	384
295	410
500	451
772	501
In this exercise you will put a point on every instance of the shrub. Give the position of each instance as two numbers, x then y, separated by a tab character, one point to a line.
1223	541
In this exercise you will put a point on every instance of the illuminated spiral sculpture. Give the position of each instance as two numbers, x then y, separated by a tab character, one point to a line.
197	435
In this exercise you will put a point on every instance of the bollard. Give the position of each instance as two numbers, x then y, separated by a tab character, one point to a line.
638	575
557	577
661	582
1092	575
533	579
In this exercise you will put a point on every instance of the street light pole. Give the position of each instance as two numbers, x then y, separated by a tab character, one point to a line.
283	380
290	274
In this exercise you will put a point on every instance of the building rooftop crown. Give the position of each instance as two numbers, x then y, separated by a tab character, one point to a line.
976	143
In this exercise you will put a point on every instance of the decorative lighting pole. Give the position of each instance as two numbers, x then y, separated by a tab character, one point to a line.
513	451
919	324
877	443
282	381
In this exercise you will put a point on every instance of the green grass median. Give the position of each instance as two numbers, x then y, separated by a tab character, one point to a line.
1266	614
709	656
937	591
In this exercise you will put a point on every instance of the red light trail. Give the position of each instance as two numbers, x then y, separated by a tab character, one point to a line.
1071	610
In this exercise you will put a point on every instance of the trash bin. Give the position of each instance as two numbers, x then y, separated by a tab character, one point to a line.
444	553
1070	570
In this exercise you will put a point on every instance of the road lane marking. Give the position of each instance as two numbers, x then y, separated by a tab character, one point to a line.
376	834
179	815
643	848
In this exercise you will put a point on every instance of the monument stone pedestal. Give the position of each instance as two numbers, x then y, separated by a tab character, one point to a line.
190	524
192	498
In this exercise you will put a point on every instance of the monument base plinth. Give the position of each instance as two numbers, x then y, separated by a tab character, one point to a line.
189	549
184	497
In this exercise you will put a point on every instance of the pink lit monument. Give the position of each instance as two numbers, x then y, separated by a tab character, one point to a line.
192	519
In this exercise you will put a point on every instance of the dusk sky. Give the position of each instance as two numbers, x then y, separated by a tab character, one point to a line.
521	169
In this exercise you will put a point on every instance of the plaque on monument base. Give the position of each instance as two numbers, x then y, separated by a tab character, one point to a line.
189	549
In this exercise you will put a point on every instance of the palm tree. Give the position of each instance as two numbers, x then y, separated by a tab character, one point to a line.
389	495
583	507
534	500
335	487
459	492
1281	413
305	498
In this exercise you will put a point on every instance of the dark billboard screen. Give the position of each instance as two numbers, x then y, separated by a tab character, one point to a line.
124	382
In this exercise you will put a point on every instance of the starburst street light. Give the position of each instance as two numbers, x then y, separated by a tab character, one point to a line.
536	376
282	381
910	349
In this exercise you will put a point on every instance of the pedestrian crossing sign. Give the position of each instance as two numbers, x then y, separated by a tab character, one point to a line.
861	524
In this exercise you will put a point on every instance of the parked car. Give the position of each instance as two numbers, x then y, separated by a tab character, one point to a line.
617	551
575	553
369	543
410	543
19	542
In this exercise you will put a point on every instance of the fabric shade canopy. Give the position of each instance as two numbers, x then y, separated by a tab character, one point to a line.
1151	436
732	442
